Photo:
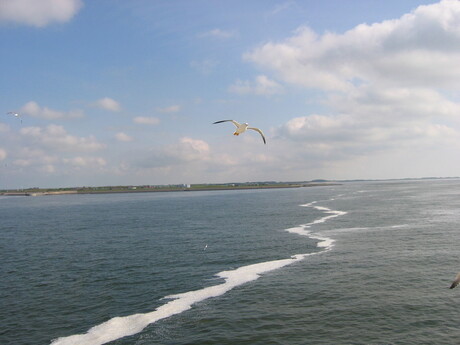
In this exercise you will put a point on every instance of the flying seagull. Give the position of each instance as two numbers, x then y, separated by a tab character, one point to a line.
14	114
242	127
456	281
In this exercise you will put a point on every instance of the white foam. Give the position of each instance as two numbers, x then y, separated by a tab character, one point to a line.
367	229
333	214
322	208
325	242
304	230
119	327
299	230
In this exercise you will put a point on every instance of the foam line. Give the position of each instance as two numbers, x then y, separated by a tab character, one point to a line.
304	230
119	327
374	228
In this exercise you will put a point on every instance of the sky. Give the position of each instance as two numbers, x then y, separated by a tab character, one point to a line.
114	92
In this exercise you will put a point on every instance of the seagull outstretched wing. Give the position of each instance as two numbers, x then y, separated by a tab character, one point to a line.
261	133
241	128
234	122
456	281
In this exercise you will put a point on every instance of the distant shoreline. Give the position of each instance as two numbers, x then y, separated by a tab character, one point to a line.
37	191
162	189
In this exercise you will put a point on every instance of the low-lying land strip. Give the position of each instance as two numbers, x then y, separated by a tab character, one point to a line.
159	188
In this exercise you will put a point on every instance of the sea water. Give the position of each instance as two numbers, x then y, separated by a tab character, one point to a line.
356	263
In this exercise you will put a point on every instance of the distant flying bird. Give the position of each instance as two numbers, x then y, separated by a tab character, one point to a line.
14	114
456	281
242	127
206	246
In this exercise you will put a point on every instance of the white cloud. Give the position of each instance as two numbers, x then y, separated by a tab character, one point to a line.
33	157
390	90
22	162
170	109
282	7
107	103
193	148
85	161
120	136
47	169
395	104
315	124
145	120
421	48
218	33
56	138
38	13
32	108
191	160
370	122
4	128
187	150
387	106
261	86
42	162
343	133
3	154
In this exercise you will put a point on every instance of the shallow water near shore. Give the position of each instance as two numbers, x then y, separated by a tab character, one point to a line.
357	263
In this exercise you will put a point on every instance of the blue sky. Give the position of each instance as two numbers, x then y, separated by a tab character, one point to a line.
125	92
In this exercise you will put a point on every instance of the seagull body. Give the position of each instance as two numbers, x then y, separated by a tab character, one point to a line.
242	127
456	281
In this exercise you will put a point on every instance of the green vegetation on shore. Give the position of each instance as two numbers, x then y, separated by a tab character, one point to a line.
159	188
193	187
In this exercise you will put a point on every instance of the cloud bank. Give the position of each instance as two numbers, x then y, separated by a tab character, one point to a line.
32	108
38	13
262	85
419	49
56	138
381	100
123	137
389	88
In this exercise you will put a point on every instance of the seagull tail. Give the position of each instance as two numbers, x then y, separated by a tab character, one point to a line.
453	285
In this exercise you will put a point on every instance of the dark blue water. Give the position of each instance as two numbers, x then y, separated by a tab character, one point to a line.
73	262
